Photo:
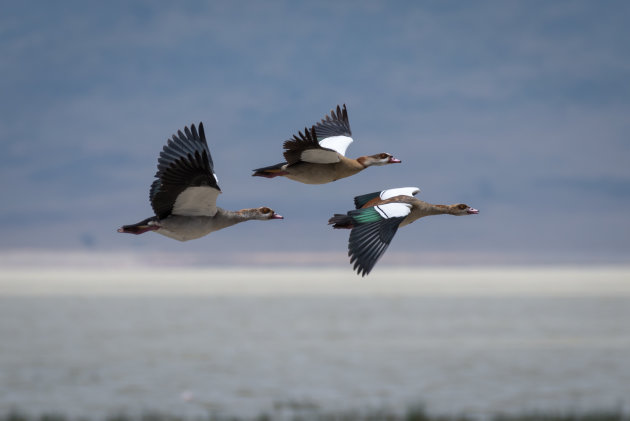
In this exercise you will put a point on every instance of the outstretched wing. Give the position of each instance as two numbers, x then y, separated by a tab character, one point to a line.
323	143
334	132
374	228
304	147
365	199
186	183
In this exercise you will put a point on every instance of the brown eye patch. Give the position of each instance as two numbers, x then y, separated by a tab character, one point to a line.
383	156
462	206
265	210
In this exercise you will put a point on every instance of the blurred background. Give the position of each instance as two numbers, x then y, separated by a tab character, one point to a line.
519	109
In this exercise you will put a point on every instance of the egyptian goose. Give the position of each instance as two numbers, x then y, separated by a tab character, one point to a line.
377	217
318	155
185	192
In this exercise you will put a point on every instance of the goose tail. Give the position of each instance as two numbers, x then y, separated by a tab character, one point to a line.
340	221
149	224
270	171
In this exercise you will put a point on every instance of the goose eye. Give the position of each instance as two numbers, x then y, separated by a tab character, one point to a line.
383	156
265	210
462	206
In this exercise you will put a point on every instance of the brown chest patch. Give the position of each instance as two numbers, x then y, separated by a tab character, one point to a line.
373	202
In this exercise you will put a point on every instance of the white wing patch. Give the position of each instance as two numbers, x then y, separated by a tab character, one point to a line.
393	210
336	143
319	156
196	201
401	191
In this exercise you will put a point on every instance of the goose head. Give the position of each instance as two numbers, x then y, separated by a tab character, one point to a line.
378	160
463	209
262	214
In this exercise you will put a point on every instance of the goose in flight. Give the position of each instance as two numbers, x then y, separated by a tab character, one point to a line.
185	191
378	216
317	156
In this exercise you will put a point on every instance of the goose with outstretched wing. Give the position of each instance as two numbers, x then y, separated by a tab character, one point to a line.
378	216
184	194
318	155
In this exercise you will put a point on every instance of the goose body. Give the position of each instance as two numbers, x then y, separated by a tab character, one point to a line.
317	156
185	191
378	216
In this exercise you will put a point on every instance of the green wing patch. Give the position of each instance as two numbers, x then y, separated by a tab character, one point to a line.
365	216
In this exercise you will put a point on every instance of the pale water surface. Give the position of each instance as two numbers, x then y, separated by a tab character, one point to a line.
91	342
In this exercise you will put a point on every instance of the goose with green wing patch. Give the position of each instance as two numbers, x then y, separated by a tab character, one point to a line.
378	216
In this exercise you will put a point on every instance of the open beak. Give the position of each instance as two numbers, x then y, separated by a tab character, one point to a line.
472	211
393	160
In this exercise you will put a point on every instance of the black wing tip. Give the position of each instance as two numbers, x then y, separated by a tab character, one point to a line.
345	115
195	134
341	114
337	114
362	265
309	136
343	111
362	269
190	133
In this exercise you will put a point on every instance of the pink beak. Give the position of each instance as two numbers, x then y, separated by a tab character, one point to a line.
472	211
393	160
276	216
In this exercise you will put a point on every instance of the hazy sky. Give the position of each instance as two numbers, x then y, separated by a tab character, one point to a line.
520	109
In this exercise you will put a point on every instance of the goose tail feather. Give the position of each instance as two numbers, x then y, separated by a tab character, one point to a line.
149	224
